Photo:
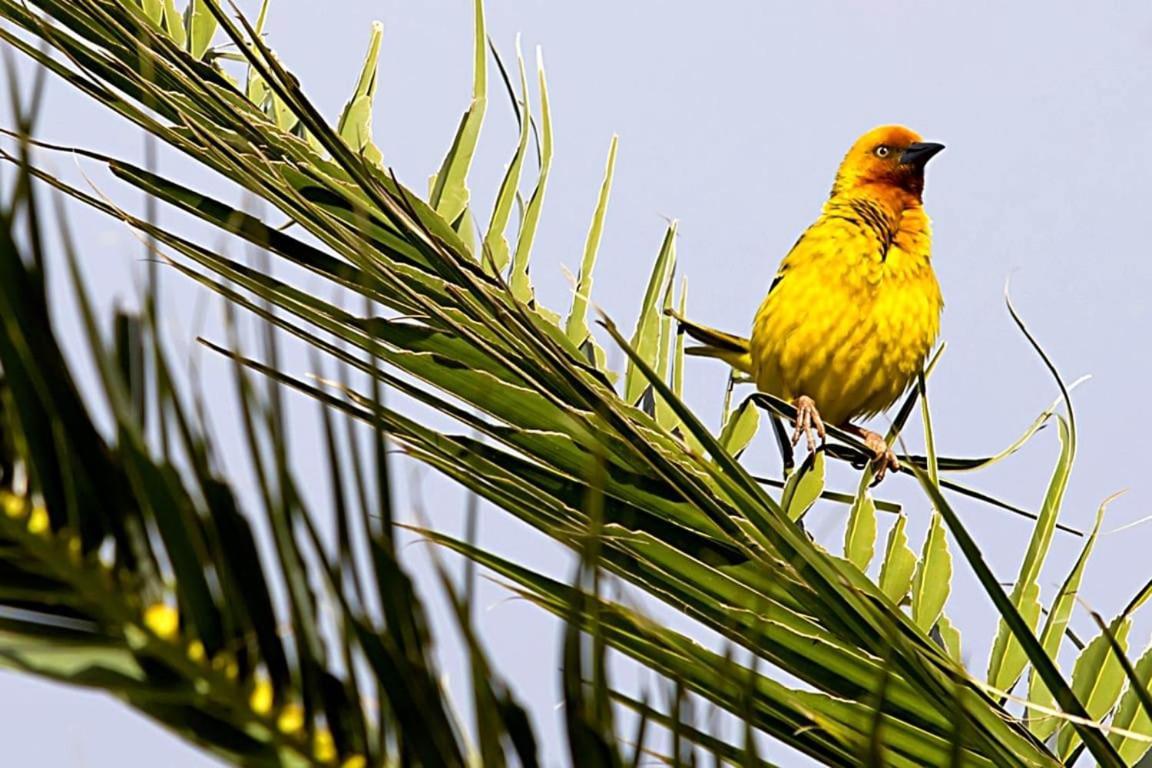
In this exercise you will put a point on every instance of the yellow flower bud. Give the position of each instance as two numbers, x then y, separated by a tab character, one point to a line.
162	619
38	522
291	719
15	507
196	651
262	697
324	746
226	662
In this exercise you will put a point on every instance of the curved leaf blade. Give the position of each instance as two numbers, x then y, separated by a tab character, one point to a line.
899	563
450	194
577	324
933	580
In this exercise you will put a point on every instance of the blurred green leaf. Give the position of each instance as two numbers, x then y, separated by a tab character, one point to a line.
683	658
733	755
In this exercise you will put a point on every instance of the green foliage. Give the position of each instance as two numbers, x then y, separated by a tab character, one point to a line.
187	625
740	428
200	28
355	124
497	255
577	324
1133	717
148	569
646	337
518	279
449	186
899	563
933	578
860	533
1055	627
803	487
1007	661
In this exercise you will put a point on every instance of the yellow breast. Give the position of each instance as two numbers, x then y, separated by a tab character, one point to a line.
853	313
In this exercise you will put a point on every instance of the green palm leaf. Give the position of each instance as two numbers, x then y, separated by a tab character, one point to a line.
632	480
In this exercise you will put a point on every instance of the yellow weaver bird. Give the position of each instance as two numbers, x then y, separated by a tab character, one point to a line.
854	307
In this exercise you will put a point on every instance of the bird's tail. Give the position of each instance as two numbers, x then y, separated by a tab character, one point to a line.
733	350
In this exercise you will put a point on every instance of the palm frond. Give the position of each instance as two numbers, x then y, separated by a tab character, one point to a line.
632	480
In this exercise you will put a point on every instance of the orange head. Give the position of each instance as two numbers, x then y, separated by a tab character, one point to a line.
890	156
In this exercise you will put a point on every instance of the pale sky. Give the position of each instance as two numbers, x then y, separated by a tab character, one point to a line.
732	118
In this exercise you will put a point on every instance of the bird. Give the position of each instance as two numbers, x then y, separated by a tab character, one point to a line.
854	307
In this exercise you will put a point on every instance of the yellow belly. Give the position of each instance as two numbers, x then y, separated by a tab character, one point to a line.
851	332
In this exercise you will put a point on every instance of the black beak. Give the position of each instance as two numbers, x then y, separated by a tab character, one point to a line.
920	153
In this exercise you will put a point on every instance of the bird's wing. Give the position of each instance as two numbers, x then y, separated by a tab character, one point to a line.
728	347
778	277
732	349
789	259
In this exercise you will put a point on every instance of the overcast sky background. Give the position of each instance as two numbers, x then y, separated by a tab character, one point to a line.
732	118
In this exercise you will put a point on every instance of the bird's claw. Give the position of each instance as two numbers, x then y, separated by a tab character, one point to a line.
883	458
808	423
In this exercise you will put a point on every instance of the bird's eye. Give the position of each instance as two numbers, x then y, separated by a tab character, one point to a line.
883	151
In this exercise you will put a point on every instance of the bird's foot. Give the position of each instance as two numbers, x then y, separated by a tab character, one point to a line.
808	423
883	458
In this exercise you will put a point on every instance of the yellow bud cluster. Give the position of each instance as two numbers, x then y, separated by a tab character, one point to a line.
225	662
